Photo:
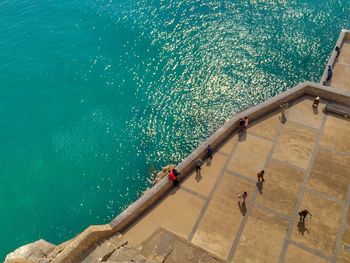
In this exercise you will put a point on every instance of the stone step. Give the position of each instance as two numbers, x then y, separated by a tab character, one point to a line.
165	247
126	254
102	251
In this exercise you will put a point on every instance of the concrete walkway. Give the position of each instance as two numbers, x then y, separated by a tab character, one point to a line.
341	72
307	164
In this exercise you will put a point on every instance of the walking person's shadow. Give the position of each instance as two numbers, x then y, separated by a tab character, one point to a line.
242	208
301	228
283	118
198	176
260	186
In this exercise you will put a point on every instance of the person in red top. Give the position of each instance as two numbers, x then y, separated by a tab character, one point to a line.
172	177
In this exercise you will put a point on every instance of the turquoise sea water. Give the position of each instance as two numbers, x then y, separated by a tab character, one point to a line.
97	95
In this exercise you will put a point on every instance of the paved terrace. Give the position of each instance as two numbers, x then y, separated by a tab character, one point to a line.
341	65
307	164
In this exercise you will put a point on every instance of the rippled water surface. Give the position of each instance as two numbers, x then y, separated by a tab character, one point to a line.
97	95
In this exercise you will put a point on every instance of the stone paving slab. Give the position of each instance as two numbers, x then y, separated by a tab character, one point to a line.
250	156
228	145
262	238
295	145
282	183
177	213
336	133
266	127
303	113
321	231
331	174
340	79
344	254
203	183
223	217
344	56
341	69
296	255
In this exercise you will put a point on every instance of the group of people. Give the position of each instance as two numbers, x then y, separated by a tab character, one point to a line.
173	174
243	124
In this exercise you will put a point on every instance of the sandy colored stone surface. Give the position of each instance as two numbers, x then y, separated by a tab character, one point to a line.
250	156
344	56
266	127
303	113
294	255
340	79
227	147
330	174
204	182
264	233
169	248
262	238
281	186
336	133
218	227
344	252
177	213
295	145
322	231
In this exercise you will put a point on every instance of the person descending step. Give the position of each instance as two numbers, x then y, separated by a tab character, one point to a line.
303	214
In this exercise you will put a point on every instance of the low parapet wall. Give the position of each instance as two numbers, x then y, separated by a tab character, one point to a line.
344	35
93	234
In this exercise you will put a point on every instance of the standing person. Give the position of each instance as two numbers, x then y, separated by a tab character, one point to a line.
316	102
172	177
243	196
199	163
209	152
329	75
241	124
337	49
303	215
260	176
245	122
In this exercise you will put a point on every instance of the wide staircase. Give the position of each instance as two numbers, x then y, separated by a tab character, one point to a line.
161	247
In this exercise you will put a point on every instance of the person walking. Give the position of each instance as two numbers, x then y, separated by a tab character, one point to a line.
260	176
303	214
199	164
243	196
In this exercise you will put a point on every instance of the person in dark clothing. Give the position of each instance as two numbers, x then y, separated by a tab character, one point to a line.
199	163
337	49
176	173
329	73
303	215
241	124
209	152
